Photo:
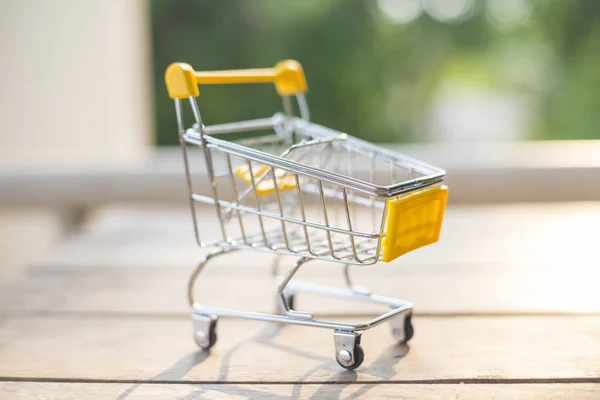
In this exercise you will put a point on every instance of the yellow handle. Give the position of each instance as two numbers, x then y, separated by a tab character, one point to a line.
182	81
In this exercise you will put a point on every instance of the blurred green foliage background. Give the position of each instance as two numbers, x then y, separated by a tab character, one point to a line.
380	69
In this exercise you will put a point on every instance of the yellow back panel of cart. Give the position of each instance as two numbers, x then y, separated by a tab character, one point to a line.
414	221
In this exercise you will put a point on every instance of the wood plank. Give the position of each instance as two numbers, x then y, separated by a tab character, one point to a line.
490	259
540	235
432	289
154	348
84	391
19	228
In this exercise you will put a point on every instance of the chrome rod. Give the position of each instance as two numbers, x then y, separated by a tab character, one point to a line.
257	197
237	195
283	230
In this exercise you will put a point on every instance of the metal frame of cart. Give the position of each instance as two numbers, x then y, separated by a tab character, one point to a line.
287	186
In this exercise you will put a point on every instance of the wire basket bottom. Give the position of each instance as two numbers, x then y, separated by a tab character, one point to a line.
330	247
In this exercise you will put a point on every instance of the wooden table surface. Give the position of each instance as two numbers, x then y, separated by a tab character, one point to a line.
507	305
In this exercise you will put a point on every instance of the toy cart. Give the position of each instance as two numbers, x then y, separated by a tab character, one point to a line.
287	186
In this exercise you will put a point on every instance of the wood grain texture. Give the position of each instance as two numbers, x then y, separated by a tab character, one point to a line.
107	313
540	236
490	259
155	348
85	391
433	289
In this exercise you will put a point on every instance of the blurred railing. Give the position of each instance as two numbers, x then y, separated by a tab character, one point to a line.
476	173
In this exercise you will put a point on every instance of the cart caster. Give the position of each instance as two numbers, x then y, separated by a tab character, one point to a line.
205	331
348	352
289	298
402	328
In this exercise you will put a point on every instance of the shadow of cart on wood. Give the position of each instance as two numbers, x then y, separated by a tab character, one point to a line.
382	368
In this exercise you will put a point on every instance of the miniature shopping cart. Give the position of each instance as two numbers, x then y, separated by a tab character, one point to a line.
287	186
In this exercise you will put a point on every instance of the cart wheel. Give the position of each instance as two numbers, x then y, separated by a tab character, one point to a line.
290	301
358	357
289	298
206	340
343	342
402	328
409	331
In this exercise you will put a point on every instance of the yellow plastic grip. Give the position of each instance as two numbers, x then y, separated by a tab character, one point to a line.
182	81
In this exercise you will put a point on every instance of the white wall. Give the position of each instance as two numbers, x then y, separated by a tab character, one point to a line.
74	91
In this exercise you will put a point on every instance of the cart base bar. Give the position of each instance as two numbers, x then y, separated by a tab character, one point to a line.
349	353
